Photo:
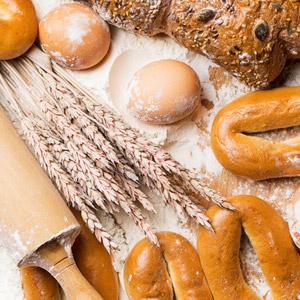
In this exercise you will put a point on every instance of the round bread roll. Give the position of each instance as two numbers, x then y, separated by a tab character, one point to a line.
164	92
272	242
18	27
165	273
74	36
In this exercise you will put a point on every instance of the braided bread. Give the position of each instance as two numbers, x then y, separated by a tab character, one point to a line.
159	273
269	235
251	156
251	39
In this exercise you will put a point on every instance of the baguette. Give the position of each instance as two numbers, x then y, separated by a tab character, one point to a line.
269	235
250	39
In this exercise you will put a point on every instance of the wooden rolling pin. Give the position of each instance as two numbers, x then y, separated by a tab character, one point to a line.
36	226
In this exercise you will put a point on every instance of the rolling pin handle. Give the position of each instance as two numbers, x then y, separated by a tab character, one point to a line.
75	286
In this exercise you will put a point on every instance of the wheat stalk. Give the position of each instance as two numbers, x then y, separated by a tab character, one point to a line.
129	145
72	192
80	165
189	179
103	158
178	200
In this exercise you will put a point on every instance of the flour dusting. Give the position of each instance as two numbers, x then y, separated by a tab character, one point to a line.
188	141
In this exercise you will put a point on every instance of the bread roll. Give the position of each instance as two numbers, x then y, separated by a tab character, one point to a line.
173	270
18	27
270	237
74	36
39	284
95	263
251	156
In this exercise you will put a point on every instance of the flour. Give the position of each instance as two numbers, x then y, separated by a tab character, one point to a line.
77	27
187	141
10	284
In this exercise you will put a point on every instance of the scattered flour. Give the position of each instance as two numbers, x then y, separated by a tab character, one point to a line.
77	27
187	141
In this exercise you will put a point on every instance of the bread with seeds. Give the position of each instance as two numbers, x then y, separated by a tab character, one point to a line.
252	39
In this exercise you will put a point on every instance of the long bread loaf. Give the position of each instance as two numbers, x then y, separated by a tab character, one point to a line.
250	38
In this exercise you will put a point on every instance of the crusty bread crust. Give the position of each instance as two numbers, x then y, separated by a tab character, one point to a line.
18	28
270	237
38	284
251	39
252	156
153	273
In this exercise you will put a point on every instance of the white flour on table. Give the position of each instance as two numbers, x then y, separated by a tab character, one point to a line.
187	141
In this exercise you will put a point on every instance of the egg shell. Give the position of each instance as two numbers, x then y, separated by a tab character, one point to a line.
164	92
18	27
74	36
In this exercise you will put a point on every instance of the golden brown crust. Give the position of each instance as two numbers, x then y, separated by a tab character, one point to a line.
18	27
95	263
39	284
269	235
251	39
153	273
56	34
294	219
256	157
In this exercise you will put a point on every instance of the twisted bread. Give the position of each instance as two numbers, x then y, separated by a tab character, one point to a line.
153	273
251	39
255	157
269	235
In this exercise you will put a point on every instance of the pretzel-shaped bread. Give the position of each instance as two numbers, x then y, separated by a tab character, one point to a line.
153	273
270	237
251	156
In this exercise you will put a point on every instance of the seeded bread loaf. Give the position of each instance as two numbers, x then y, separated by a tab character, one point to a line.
252	39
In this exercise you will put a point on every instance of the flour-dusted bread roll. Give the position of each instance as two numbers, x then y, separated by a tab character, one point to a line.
171	271
39	284
74	36
164	92
238	149
270	237
18	27
251	39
